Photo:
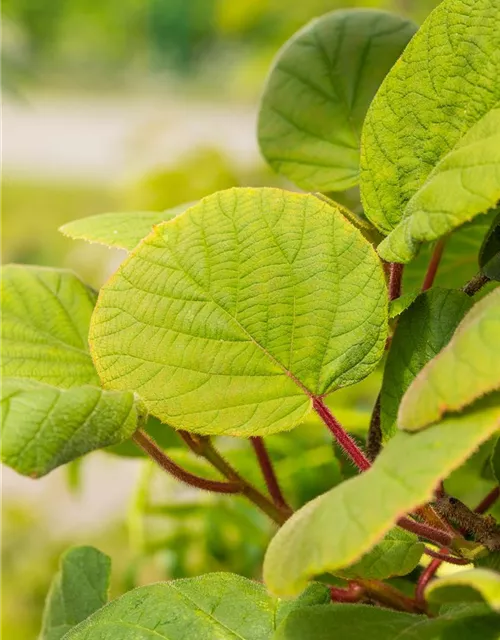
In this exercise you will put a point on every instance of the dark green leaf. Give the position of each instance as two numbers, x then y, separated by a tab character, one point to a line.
489	256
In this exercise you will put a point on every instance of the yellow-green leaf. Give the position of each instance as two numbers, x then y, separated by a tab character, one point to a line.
467	368
467	586
233	316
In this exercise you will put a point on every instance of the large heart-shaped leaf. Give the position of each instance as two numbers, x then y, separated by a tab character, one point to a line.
234	316
336	529
319	90
352	622
79	588
445	82
216	605
467	368
465	183
467	586
422	331
53	408
121	230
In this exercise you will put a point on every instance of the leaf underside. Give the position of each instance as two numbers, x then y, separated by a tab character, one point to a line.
231	317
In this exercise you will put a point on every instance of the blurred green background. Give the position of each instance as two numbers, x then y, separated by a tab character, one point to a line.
141	104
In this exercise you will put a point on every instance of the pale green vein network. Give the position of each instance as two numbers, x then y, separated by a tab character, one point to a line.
229	317
445	82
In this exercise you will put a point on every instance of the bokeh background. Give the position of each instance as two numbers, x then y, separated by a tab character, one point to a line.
141	105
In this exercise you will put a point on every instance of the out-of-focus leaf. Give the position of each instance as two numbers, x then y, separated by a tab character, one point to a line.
467	586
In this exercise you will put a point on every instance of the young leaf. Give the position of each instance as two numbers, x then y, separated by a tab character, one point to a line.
79	588
121	230
319	90
396	554
216	605
445	82
355	621
53	409
467	586
46	316
467	368
422	331
463	184
459	262
232	317
489	256
44	426
336	529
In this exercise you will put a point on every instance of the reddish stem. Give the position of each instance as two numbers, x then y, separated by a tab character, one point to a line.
424	579
395	279
433	264
488	501
149	446
442	538
353	593
444	557
266	466
342	437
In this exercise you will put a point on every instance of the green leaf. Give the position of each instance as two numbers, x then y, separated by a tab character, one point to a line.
399	305
422	331
53	408
121	230
232	317
445	82
44	426
465	183
459	262
464	370
396	554
355	621
46	316
466	586
319	90
216	605
495	461
79	588
162	434
489	255
336	529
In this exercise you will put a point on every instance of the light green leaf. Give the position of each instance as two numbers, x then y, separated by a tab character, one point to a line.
396	554
319	90
445	82
232	317
53	408
489	256
422	331
121	230
355	621
216	605
467	586
336	529
459	262
397	306
44	426
46	316
465	183
79	588
464	370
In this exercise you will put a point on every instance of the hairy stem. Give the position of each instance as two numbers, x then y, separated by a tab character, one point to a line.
395	280
425	577
353	593
445	557
488	501
343	439
441	538
266	466
374	439
388	596
475	284
433	264
149	446
202	446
